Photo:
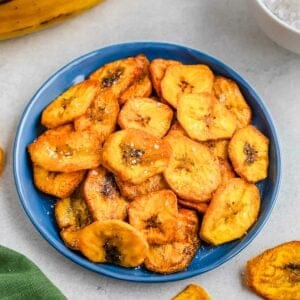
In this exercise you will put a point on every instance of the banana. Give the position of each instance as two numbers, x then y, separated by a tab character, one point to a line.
20	17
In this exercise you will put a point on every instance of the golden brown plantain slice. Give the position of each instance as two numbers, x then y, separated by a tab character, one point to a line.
2	160
71	104
186	79
193	172
60	185
152	184
176	256
200	207
71	216
232	211
154	215
192	292
204	118
249	153
226	170
101	116
229	94
157	70
275	274
142	87
113	241
118	75
149	115
219	148
64	150
103	197
135	155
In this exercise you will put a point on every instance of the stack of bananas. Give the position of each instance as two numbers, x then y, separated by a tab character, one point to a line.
19	17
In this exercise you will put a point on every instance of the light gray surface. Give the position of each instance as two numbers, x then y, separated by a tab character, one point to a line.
224	29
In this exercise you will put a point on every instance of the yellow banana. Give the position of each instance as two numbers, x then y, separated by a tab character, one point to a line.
19	17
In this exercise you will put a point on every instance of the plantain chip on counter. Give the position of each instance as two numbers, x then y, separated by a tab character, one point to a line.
275	273
192	292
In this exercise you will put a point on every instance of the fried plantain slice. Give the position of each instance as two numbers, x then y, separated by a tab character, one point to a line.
64	150
149	115
192	292
118	75
186	79
176	256
142	87
113	241
154	215
71	216
157	70
204	118
103	197
200	207
232	211
135	155
219	148
275	274
226	170
101	116
193	172
229	94
71	104
249	153
60	185
152	184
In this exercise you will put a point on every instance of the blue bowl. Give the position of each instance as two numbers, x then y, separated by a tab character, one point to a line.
39	207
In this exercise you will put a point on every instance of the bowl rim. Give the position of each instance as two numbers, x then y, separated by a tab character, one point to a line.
95	267
275	18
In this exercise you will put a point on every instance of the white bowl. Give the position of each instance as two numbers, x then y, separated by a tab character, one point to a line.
280	32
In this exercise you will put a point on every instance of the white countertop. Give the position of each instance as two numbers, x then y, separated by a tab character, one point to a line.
224	29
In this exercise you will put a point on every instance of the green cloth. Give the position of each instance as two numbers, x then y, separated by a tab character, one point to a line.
22	279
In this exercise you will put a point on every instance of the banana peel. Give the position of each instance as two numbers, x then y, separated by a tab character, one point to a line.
20	17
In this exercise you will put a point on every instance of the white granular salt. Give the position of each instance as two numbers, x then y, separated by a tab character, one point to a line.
286	10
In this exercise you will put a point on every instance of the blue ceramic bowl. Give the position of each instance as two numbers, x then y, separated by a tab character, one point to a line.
39	207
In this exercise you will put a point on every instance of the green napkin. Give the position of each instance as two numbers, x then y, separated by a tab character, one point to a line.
22	279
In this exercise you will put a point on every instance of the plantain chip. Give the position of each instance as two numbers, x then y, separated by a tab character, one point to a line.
177	255
146	114
135	155
60	185
154	215
226	171
186	79
152	184
193	172
71	216
113	241
101	116
142	87
192	292
71	104
103	197
157	70
64	150
204	118
118	75
200	207
219	148
249	153
229	94
275	274
232	211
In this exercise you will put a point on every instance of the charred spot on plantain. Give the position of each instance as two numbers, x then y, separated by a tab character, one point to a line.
144	121
112	253
294	271
4	1
109	187
185	86
251	154
131	155
111	78
152	222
